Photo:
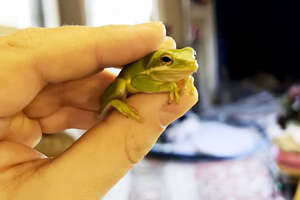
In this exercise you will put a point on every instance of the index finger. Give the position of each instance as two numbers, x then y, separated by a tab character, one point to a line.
71	52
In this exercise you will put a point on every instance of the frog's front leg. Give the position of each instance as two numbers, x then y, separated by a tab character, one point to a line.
144	83
173	89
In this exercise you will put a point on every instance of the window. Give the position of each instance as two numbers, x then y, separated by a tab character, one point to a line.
100	13
19	14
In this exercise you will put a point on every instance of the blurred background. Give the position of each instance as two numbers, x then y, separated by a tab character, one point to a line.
248	59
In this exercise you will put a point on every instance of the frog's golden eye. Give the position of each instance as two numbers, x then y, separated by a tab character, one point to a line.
166	60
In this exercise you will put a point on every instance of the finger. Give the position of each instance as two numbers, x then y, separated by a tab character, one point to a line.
72	52
13	154
107	151
66	53
168	43
4	124
23	130
84	94
69	117
20	129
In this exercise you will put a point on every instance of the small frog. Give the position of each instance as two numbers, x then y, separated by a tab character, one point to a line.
167	70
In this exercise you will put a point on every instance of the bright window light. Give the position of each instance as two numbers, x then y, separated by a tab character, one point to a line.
17	13
100	13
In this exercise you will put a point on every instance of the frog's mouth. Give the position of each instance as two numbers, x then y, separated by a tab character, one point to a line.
172	75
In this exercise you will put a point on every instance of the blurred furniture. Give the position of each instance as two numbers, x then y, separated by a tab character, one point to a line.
72	12
175	14
53	145
203	17
180	18
153	179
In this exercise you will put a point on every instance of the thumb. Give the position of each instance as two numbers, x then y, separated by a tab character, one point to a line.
156	114
103	155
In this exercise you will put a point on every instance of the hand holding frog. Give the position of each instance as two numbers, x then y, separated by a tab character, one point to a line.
52	79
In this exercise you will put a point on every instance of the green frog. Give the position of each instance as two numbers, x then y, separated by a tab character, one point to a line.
166	70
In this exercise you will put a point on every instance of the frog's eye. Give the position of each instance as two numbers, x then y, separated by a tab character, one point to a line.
166	60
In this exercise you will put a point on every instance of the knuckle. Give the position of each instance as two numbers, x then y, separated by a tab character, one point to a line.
137	145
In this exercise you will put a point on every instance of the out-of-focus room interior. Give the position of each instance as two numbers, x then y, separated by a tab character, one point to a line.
242	139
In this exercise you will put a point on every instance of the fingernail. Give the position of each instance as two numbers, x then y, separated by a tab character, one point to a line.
156	24
168	43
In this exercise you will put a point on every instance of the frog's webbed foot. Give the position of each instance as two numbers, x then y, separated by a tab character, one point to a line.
125	109
187	85
184	85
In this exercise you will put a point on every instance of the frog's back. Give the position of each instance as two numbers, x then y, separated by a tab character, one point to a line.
131	70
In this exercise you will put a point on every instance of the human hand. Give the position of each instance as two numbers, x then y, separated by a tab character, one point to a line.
52	79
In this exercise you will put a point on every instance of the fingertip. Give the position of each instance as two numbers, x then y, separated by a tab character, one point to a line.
156	113
119	45
154	33
168	43
156	25
170	112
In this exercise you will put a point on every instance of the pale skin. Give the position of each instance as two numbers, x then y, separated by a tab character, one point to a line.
52	79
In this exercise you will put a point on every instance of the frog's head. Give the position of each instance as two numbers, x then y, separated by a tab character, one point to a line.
170	65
